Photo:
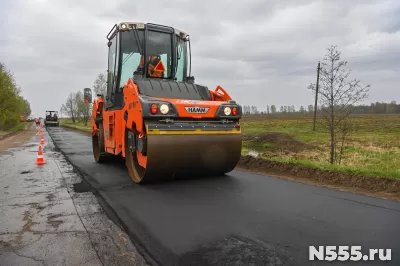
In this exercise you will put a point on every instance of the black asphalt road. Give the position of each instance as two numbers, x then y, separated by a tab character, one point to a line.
238	219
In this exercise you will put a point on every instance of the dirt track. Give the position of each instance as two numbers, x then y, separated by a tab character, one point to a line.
17	137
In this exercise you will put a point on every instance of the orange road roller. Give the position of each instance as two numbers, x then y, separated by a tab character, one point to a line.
154	114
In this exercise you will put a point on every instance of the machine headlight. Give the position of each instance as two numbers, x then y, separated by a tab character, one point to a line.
164	109
227	110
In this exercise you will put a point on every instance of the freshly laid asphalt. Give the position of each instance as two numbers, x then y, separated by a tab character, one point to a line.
237	219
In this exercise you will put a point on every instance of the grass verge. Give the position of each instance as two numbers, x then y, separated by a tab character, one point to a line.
372	150
67	122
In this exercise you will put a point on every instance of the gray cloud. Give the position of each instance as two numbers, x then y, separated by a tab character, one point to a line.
262	52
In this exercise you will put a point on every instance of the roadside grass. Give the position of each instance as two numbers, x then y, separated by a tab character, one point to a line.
372	150
16	128
78	124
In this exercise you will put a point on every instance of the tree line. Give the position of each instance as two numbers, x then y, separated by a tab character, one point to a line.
75	107
12	104
374	108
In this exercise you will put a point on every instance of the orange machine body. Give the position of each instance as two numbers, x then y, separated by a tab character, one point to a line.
114	124
163	124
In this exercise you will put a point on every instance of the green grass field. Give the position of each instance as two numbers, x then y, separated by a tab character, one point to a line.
78	125
14	129
373	149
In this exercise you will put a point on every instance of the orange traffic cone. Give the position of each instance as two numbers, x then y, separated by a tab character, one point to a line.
40	148
40	160
42	140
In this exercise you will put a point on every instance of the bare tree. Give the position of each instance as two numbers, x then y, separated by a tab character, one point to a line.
83	110
337	96
310	108
70	107
254	110
100	84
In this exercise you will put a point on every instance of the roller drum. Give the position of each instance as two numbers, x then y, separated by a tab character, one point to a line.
194	154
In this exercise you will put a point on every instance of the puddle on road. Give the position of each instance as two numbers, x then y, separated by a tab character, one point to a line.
84	153
30	145
50	197
81	187
51	219
26	172
56	149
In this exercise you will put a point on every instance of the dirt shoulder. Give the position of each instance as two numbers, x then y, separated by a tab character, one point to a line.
380	187
18	137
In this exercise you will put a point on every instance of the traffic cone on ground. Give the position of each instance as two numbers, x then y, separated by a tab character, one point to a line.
40	160
42	140
40	148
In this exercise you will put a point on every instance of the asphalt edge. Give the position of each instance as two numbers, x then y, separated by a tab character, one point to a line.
111	214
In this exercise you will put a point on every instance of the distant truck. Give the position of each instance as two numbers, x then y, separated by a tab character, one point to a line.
51	118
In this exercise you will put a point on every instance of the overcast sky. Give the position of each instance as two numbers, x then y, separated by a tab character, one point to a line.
262	52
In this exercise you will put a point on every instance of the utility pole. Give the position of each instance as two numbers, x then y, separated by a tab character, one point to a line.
316	96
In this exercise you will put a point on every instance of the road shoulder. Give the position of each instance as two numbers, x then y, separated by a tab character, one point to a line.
11	139
50	216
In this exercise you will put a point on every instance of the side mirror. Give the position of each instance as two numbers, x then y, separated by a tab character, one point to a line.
87	95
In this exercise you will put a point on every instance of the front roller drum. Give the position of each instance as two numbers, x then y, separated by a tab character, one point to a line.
170	156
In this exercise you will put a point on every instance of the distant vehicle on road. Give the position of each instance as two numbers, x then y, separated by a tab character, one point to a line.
51	118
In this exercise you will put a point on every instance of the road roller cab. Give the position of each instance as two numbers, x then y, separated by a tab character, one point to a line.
155	115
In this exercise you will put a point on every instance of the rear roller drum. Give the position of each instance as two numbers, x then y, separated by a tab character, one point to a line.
100	156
